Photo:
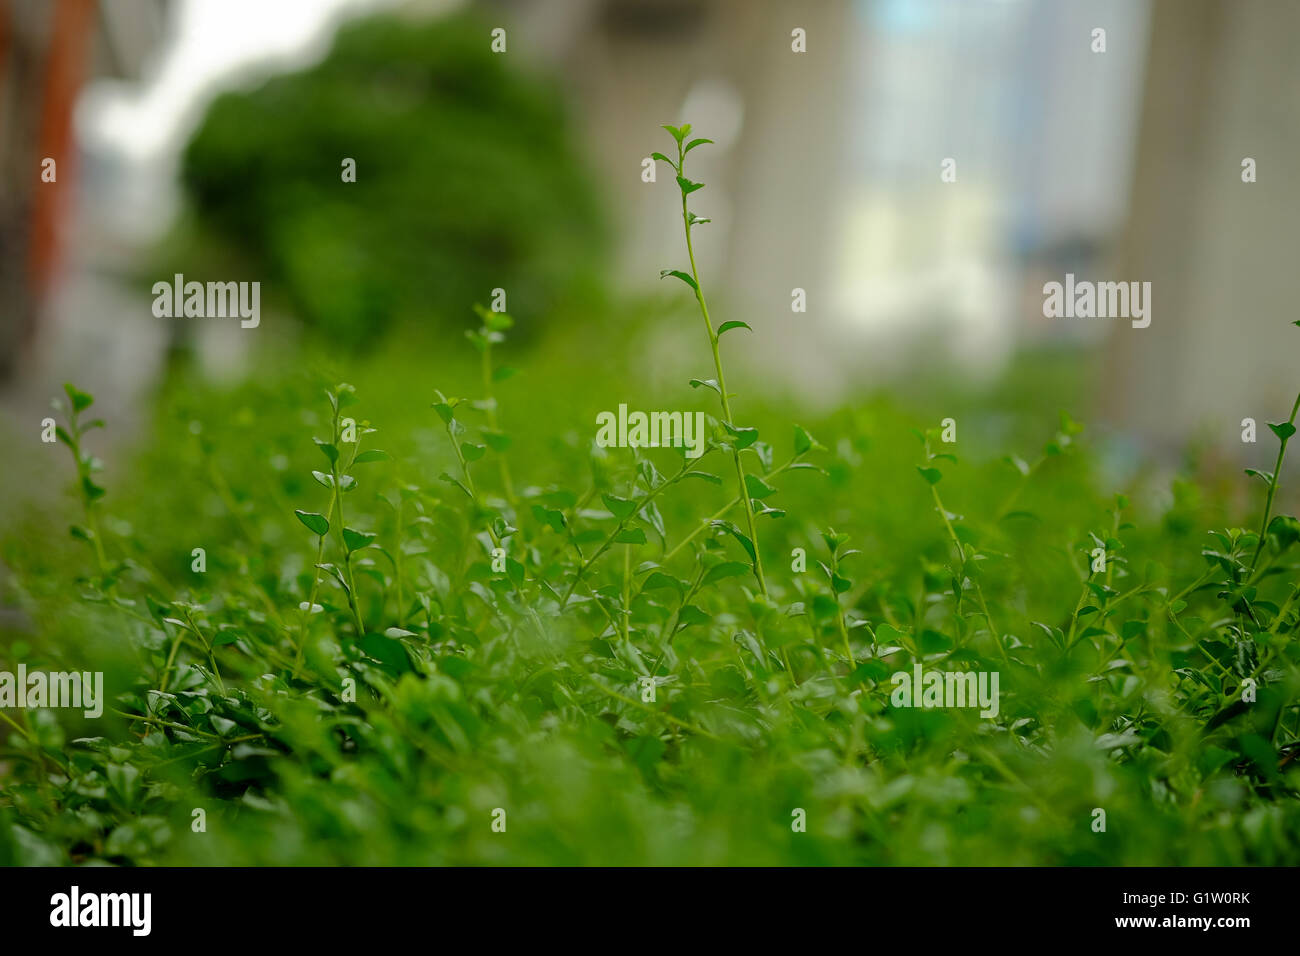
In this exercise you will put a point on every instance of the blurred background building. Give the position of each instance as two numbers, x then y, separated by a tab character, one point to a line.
1115	165
49	52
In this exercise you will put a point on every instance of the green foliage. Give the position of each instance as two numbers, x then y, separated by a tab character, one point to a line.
469	161
387	647
741	438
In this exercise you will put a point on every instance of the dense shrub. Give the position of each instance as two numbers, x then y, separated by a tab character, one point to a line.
387	648
466	182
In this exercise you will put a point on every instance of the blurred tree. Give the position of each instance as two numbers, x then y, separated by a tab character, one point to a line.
466	181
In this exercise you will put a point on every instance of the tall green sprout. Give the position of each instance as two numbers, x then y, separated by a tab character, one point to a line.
741	438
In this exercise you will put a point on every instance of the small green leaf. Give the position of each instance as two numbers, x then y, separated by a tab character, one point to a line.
549	516
650	474
471	451
390	654
834	539
734	324
1283	431
805	442
497	441
328	450
727	569
704	476
706	383
1285	529
695	142
356	540
688	186
658	579
124	779
630	536
337	575
665	273
316	523
739	535
92	491
744	436
515	571
498	322
456	481
932	475
80	400
757	487
691	614
620	508
677	133
374	454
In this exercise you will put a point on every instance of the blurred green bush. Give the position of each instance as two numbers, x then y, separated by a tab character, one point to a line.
466	181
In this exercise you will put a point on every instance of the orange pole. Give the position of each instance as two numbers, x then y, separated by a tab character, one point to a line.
65	66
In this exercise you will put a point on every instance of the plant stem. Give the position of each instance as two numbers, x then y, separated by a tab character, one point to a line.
15	725
609	539
171	659
721	512
742	490
961	558
397	552
671	630
1282	613
492	418
646	707
627	595
496	542
311	600
83	476
839	612
207	645
1272	490
337	501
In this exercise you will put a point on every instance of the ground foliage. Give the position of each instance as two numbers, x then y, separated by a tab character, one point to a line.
369	564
